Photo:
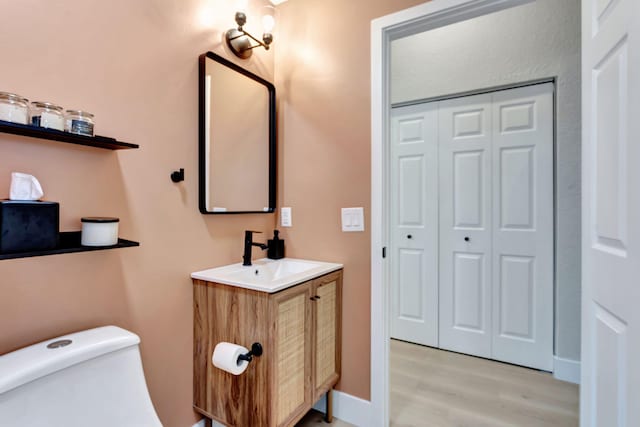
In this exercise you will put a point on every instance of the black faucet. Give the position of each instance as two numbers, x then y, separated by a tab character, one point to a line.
248	245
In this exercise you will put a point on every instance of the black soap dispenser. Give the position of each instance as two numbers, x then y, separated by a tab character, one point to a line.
275	247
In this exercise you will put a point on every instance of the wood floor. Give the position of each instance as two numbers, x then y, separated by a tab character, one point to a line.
436	388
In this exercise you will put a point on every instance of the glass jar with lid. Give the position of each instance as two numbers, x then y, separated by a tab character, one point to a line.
79	122
47	115
14	108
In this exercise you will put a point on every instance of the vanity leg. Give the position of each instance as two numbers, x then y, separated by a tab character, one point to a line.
208	422
328	415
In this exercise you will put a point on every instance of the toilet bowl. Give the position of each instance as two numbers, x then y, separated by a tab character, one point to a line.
89	378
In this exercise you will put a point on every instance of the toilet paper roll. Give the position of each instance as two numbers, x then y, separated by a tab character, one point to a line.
225	357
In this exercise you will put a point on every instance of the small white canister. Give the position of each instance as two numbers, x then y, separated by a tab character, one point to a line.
99	231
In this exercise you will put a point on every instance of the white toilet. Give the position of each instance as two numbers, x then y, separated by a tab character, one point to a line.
89	378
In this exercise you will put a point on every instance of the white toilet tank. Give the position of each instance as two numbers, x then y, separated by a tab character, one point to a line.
95	380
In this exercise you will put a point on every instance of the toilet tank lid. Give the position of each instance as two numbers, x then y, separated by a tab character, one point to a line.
30	363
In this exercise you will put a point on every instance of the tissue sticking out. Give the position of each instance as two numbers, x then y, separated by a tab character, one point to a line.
25	187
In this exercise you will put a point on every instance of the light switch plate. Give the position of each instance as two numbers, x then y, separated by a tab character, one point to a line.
352	219
285	217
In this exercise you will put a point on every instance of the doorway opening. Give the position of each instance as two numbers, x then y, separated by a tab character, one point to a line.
486	204
471	236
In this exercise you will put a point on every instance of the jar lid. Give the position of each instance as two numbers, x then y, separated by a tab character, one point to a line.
80	113
47	105
99	219
12	97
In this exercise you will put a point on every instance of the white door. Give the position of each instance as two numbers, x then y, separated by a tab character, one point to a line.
472	225
465	134
522	282
610	381
414	219
496	225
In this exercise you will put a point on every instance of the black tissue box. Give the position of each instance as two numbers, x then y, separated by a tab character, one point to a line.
27	226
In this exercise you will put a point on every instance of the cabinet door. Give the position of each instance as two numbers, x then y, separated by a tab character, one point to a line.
327	301
291	396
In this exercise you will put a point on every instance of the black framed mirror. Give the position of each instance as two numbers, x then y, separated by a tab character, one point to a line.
237	133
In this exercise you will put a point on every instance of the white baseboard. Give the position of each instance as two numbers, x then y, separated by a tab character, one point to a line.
566	370
348	408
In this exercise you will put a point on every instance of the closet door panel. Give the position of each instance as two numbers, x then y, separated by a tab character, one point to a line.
414	231
465	136
523	226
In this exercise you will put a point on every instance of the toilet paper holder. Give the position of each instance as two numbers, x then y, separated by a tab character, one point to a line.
256	350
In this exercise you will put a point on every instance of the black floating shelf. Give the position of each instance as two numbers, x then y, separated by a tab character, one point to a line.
56	135
70	243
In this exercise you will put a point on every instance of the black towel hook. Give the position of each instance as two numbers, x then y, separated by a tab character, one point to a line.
177	176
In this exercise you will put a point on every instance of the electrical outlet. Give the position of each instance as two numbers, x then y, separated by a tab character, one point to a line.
285	217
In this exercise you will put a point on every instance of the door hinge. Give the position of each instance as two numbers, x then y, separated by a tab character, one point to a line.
384	252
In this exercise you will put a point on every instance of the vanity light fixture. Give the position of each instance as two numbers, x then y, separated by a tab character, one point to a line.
240	41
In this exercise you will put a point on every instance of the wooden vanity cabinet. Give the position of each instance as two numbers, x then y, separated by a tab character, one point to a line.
300	331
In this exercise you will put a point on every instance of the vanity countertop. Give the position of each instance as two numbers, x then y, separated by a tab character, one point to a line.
267	275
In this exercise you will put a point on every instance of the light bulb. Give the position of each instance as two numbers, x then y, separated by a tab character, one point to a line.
268	22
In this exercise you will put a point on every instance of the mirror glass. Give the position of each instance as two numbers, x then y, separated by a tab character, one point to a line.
237	139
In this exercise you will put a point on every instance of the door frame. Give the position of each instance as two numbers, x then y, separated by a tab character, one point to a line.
384	30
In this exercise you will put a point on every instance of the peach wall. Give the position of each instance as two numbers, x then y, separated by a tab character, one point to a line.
134	64
323	77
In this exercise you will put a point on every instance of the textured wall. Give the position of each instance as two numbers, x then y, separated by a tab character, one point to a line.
537	40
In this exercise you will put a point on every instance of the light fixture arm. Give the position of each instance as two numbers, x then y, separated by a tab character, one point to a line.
266	37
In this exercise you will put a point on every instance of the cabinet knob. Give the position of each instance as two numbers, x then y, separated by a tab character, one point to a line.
409	236
466	239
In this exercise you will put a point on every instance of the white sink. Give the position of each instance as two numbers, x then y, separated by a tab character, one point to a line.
267	275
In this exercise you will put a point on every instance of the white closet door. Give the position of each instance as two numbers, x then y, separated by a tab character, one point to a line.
465	224
610	381
414	216
523	226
